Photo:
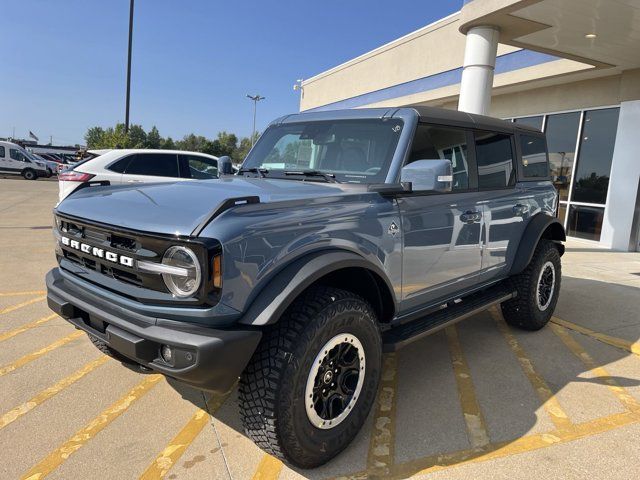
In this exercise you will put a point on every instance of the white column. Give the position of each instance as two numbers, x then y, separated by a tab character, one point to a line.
477	76
623	180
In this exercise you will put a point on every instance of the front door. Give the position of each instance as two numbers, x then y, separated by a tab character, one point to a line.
442	232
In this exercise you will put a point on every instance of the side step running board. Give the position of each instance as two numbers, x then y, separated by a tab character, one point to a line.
397	337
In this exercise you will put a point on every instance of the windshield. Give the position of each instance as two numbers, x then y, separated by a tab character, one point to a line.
354	151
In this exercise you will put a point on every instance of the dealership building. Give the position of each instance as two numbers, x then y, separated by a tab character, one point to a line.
568	67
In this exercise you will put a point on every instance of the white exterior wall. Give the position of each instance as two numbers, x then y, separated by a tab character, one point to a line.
623	181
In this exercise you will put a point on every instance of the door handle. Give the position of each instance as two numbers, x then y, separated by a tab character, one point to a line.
520	210
470	217
134	181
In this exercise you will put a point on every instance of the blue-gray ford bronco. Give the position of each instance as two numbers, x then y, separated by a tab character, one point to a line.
345	234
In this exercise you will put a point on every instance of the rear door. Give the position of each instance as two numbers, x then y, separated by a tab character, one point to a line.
442	251
152	167
506	207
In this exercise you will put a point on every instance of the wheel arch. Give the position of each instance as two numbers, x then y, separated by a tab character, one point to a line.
337	268
541	226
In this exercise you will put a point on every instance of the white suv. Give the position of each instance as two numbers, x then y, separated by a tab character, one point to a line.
138	166
15	160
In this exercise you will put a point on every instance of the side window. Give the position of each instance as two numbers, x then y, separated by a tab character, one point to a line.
534	156
15	154
2	151
434	142
154	164
494	156
120	166
195	166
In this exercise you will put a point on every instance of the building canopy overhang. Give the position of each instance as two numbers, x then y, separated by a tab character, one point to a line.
603	33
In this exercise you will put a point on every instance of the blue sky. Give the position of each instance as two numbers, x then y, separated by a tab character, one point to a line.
193	60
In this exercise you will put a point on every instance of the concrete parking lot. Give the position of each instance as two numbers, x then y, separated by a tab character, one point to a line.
479	400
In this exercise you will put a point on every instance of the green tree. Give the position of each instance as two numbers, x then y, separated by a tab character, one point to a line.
168	144
94	137
241	152
136	138
154	140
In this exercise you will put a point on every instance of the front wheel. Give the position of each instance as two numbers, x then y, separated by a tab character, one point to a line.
29	174
313	379
537	289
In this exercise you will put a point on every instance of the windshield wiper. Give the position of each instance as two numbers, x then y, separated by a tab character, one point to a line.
329	177
260	171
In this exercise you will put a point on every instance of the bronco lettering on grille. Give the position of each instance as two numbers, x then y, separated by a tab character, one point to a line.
97	252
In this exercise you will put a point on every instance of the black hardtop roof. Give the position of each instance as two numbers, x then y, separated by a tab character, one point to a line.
425	114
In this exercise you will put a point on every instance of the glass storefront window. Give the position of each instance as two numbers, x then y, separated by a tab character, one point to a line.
535	122
585	222
562	135
596	152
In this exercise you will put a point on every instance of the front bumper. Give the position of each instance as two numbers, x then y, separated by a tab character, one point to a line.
205	358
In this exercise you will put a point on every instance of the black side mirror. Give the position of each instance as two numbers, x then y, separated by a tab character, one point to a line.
225	166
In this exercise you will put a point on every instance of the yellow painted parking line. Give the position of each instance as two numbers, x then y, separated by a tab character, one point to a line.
26	407
24	328
269	468
621	393
58	456
38	353
168	457
476	426
382	444
551	405
520	445
632	347
528	443
20	305
19	294
179	444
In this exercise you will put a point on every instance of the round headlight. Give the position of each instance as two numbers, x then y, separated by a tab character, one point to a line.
186	282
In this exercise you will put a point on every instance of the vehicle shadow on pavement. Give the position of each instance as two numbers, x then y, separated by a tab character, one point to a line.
484	390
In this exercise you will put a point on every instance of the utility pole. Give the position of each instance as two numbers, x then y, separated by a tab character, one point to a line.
126	117
256	98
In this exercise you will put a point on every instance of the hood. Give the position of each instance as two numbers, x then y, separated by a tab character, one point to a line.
179	207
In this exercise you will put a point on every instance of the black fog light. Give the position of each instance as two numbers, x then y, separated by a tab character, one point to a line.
166	352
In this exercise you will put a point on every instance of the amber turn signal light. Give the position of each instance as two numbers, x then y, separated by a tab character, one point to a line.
216	268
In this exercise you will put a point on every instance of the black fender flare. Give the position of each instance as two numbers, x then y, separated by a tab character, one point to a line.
541	224
272	301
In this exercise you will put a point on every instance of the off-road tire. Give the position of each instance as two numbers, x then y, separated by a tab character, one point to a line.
29	174
272	387
523	311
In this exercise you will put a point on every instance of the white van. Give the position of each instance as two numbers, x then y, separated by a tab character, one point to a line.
15	160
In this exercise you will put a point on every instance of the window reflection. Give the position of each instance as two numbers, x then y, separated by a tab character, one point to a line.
585	222
596	153
535	122
562	134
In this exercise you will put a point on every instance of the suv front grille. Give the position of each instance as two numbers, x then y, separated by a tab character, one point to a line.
136	247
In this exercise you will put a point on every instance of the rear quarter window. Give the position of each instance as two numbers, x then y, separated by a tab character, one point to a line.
535	163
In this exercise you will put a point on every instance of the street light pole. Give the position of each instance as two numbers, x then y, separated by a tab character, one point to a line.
126	116
256	98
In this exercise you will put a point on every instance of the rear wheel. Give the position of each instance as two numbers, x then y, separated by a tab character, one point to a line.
312	381
537	289
29	174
